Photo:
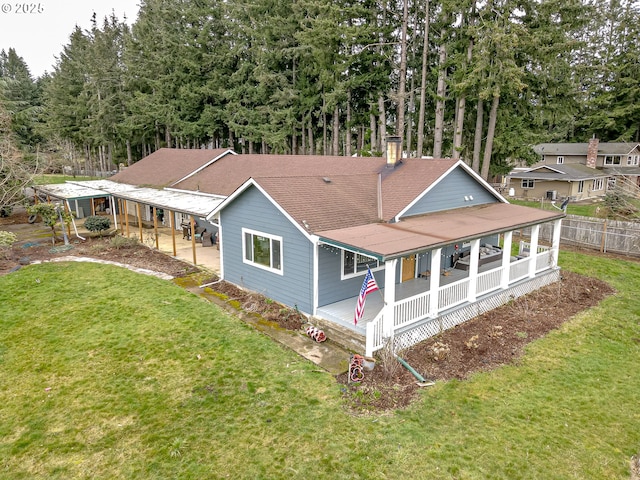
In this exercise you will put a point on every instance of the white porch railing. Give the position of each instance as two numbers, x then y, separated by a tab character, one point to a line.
518	269
407	310
417	307
453	294
489	281
544	260
374	332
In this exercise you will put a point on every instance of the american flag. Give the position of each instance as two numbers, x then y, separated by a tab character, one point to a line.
369	285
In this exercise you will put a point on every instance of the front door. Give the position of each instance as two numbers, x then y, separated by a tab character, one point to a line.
408	268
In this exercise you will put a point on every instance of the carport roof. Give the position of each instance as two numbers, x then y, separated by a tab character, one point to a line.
387	241
198	204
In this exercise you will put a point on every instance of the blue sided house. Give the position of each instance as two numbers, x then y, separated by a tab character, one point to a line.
441	243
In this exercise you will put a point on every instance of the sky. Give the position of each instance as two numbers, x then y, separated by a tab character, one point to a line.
39	34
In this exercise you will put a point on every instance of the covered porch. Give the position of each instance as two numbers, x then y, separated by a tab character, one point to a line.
407	312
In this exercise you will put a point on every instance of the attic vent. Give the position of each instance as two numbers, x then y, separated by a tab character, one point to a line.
326	179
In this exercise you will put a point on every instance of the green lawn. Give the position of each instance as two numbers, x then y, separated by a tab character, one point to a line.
105	373
582	209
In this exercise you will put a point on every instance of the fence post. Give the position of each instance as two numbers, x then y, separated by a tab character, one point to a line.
603	243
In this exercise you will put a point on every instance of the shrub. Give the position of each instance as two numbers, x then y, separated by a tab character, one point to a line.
119	242
96	223
7	239
6	211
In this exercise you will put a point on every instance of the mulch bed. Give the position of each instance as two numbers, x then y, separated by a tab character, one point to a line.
483	343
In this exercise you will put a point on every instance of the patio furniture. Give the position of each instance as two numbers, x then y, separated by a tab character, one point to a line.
207	239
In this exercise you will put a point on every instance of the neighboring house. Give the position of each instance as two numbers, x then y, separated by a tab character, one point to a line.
554	182
437	238
579	170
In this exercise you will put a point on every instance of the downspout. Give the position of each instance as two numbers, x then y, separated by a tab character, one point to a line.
421	380
74	223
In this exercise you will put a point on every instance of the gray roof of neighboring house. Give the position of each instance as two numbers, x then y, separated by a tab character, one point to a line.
604	148
563	172
616	170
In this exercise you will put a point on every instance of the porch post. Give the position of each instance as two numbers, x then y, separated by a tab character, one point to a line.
474	263
139	220
555	243
389	297
506	259
172	224
112	204
434	282
533	250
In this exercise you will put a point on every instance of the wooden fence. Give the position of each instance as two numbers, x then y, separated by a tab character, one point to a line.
596	233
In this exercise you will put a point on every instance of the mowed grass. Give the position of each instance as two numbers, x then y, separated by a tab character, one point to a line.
105	373
58	178
581	209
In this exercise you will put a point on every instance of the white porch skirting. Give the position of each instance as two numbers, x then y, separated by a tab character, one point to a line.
427	328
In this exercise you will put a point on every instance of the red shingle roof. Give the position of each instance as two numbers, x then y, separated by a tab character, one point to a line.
166	166
228	173
392	240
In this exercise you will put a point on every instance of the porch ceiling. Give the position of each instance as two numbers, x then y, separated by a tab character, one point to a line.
424	232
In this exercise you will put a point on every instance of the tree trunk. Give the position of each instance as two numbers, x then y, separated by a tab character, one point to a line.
410	116
423	82
312	147
462	100
491	130
303	138
403	74
440	100
336	131
382	124
347	140
129	154
373	141
477	139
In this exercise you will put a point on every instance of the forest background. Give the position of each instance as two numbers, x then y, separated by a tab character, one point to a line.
477	80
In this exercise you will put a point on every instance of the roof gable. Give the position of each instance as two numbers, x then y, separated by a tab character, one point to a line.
458	187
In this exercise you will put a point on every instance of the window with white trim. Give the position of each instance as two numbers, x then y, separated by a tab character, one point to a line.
581	186
598	183
560	160
633	160
262	250
355	263
528	183
612	160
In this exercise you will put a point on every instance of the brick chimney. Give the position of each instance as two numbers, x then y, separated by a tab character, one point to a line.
393	151
592	152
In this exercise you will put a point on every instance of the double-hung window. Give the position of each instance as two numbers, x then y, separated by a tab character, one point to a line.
262	250
356	263
598	183
559	160
528	183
